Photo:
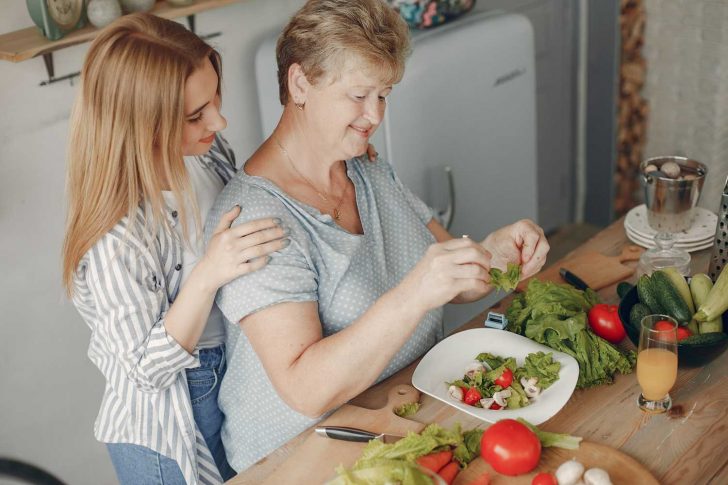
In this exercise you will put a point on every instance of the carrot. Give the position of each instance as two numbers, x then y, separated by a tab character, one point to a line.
483	479
449	472
435	461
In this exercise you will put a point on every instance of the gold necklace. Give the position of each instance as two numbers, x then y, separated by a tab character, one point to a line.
324	196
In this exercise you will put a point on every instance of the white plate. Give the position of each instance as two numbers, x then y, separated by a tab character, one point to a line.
446	362
703	227
649	243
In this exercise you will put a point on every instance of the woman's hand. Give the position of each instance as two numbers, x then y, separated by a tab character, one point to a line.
522	243
242	249
448	269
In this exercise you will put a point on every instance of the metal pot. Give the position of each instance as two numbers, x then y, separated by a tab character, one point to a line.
670	202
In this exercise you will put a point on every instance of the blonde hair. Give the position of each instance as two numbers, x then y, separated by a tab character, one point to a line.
323	34
126	130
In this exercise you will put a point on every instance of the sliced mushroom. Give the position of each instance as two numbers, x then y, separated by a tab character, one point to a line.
533	381
500	397
455	392
486	402
532	391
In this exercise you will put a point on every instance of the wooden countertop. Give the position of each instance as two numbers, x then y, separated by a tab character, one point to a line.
684	447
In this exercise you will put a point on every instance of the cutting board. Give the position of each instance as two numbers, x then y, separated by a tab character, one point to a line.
317	457
622	468
597	270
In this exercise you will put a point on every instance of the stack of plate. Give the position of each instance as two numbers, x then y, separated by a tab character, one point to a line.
700	235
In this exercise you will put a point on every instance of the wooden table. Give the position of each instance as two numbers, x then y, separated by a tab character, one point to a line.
682	447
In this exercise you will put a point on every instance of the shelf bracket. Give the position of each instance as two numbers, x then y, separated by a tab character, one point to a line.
50	70
191	22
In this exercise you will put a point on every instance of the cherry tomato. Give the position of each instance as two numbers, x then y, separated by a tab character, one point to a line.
495	406
472	396
683	333
544	479
505	379
666	326
605	322
510	447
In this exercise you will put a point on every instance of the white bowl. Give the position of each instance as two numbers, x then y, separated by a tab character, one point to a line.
447	360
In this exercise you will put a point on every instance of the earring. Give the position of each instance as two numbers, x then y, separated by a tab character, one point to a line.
300	105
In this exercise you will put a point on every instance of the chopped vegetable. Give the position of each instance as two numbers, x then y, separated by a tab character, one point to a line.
556	315
449	472
435	461
407	409
542	367
508	280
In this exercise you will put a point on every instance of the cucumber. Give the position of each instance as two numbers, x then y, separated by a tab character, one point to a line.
637	313
700	286
623	288
669	298
704	339
717	300
678	280
647	294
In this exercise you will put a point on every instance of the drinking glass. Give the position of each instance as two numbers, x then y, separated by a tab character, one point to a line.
657	362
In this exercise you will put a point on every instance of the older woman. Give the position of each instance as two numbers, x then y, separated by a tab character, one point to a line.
357	295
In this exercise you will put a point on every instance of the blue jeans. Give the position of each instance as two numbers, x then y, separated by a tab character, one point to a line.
138	465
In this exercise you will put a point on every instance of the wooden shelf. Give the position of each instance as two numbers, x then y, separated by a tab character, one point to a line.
27	43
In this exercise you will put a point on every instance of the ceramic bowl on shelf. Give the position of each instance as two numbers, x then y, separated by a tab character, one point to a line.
690	355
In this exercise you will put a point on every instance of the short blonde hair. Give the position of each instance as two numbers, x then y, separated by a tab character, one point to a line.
323	34
126	129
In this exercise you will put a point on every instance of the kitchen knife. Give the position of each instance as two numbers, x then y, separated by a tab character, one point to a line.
354	434
572	279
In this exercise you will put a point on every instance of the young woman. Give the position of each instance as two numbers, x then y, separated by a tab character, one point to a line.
145	164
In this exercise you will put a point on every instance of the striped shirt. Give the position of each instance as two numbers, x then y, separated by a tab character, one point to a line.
123	289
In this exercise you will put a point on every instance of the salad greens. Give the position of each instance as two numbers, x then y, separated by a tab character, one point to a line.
382	463
541	366
407	409
556	315
505	280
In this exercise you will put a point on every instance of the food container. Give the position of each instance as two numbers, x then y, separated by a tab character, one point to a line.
690	355
670	201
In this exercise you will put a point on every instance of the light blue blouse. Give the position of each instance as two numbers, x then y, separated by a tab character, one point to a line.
345	273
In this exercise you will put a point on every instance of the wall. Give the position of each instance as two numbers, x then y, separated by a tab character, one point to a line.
50	390
686	47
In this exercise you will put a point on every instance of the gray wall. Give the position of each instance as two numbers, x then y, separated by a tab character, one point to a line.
49	390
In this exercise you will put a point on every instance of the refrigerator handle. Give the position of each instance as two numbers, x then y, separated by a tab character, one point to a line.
446	216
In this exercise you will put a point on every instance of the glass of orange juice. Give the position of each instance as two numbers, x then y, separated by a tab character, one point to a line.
657	362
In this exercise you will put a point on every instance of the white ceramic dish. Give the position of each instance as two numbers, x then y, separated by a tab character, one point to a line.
447	360
703	227
650	243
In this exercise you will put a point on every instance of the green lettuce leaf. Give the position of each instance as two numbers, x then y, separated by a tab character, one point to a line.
505	280
407	409
541	366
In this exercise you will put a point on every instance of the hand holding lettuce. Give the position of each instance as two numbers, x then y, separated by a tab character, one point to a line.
556	315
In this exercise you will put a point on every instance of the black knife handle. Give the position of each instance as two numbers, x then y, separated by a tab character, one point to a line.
572	279
346	434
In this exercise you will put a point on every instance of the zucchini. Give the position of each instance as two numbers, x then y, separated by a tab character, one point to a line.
623	288
669	298
647	294
700	286
637	313
717	300
704	339
678	280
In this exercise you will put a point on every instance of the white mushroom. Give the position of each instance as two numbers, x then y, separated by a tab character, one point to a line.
455	392
524	382
500	397
486	402
533	381
671	169
532	391
473	367
650	168
569	472
597	476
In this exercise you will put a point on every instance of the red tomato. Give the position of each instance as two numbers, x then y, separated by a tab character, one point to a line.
510	447
472	396
505	379
604	321
495	406
665	326
544	479
683	333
